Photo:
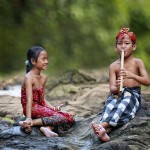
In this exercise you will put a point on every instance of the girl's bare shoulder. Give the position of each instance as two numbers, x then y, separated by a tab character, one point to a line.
27	79
28	76
44	76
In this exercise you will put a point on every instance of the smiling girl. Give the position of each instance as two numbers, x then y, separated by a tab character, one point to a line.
37	110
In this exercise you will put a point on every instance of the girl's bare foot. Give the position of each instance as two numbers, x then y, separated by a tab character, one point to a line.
48	132
100	132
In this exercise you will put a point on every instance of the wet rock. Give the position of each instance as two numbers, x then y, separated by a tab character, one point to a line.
84	98
132	136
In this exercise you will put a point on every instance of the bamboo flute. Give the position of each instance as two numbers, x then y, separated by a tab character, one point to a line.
122	66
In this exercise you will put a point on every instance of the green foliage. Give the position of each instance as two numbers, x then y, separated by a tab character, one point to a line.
76	33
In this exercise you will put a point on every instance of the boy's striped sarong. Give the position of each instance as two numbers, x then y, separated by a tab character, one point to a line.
119	111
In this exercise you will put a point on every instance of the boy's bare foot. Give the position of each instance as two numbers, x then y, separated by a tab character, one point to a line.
25	126
100	132
48	132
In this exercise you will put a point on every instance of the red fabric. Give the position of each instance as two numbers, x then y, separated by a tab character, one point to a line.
39	108
123	31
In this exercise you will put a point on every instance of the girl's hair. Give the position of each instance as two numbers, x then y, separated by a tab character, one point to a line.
34	53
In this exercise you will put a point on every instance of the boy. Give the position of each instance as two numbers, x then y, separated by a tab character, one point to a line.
119	109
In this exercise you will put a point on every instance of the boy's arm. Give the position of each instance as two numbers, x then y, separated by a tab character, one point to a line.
112	80
143	78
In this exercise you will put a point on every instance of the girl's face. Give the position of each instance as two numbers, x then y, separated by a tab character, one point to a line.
125	45
42	61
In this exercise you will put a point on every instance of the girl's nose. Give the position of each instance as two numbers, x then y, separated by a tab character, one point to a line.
46	61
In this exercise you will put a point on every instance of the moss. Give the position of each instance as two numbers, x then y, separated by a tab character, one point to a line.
11	121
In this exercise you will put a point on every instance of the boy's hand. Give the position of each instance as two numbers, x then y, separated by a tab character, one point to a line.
126	74
123	73
118	83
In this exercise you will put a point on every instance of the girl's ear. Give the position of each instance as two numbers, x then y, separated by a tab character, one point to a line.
33	62
134	47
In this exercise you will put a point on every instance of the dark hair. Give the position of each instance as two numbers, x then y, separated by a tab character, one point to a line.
34	53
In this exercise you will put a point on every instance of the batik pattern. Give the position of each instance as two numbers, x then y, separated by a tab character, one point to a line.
49	117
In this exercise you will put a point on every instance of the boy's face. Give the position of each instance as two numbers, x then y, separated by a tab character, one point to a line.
126	45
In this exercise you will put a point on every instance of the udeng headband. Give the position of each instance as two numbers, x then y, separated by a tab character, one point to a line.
123	31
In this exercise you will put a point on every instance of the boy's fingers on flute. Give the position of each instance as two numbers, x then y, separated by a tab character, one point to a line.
118	82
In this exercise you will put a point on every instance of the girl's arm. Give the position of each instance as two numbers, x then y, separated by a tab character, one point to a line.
28	87
58	108
46	102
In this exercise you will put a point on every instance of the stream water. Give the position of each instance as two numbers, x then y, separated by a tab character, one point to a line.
12	91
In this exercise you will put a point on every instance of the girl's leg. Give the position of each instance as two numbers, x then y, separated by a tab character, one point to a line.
47	130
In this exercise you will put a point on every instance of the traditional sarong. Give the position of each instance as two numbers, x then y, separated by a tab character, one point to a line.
49	117
118	111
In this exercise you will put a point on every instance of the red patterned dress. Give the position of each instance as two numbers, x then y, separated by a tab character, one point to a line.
60	120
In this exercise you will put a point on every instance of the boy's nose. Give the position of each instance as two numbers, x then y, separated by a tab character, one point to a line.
123	45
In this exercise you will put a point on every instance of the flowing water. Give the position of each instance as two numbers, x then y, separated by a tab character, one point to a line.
12	91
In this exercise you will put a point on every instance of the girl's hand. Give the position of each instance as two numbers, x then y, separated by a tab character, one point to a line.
57	108
29	122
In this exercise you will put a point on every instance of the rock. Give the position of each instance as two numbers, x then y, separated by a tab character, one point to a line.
83	97
71	76
63	91
10	105
132	136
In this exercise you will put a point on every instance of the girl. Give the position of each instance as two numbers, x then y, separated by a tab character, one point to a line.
37	110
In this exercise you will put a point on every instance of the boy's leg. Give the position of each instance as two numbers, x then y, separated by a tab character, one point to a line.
101	131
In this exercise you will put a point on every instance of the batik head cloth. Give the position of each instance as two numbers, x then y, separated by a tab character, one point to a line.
123	31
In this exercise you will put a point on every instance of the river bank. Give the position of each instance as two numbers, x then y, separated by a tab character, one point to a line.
83	94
